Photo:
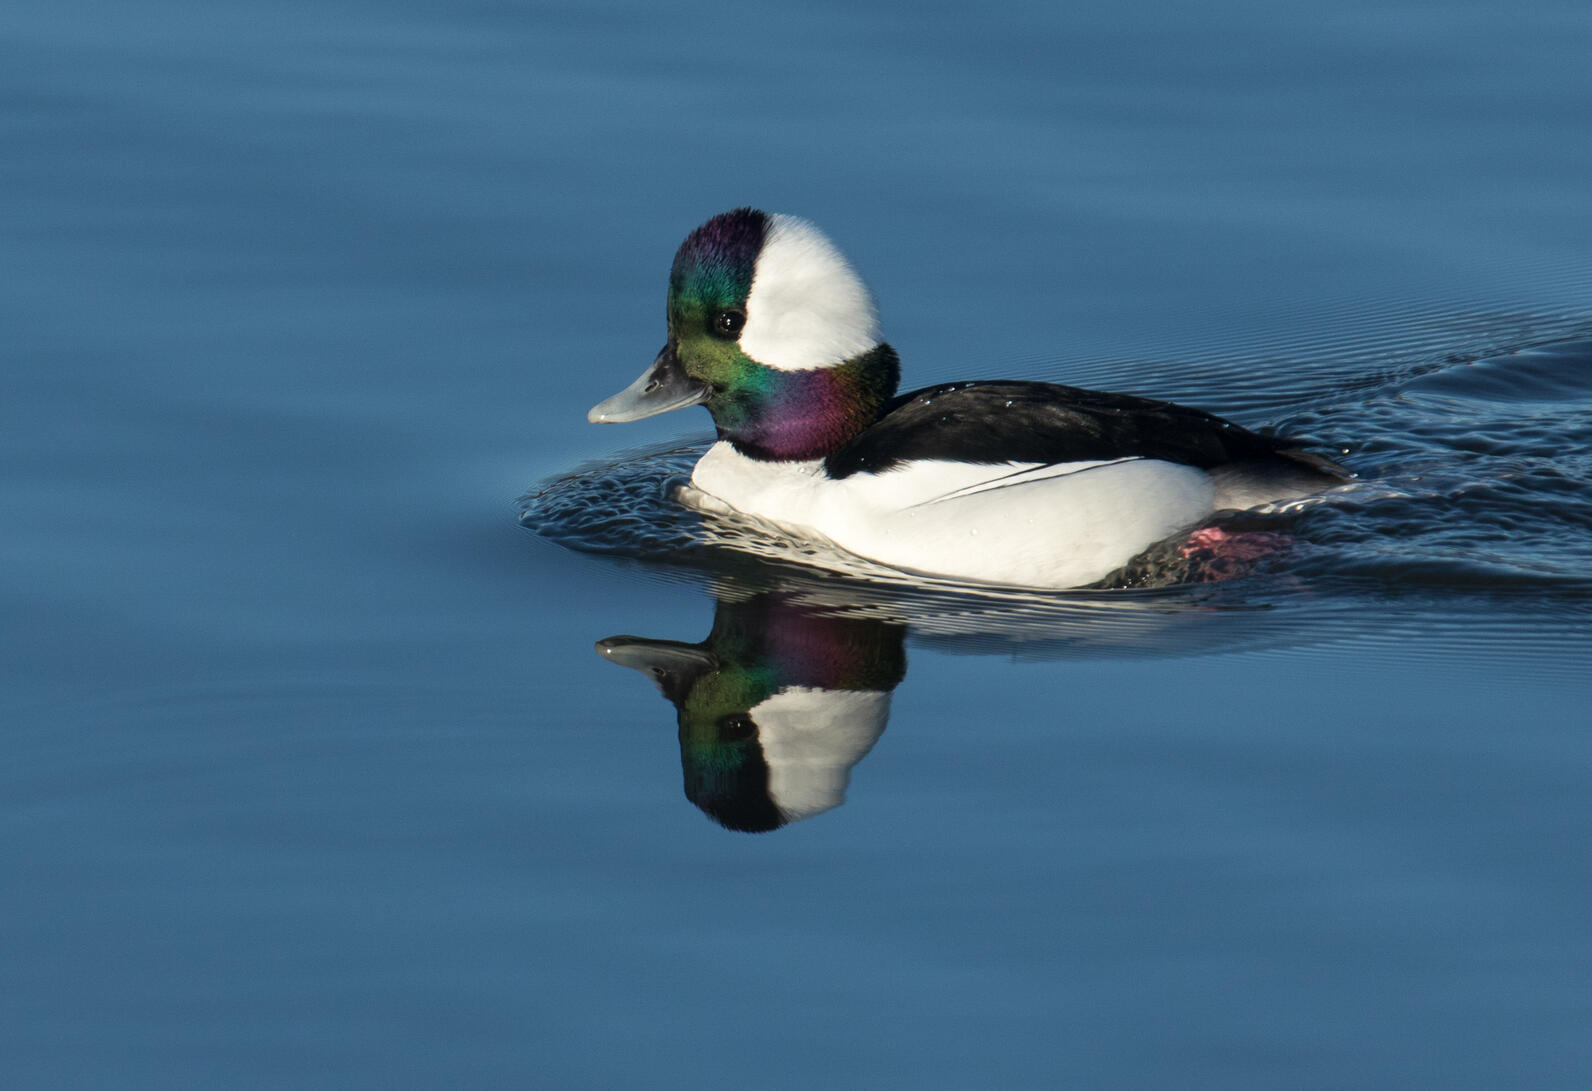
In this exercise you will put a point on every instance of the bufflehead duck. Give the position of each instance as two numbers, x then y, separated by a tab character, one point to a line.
1002	482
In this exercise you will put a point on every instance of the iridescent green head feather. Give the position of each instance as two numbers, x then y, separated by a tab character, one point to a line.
772	330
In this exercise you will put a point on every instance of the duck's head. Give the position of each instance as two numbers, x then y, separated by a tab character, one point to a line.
773	331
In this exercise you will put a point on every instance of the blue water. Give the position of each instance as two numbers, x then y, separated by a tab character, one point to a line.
313	775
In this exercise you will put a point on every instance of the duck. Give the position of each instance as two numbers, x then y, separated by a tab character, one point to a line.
1003	482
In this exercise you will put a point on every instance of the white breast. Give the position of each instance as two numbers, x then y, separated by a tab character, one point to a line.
1035	525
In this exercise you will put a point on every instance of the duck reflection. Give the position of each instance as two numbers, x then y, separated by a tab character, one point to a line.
774	707
792	687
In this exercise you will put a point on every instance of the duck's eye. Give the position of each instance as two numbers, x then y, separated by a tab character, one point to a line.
728	324
736	727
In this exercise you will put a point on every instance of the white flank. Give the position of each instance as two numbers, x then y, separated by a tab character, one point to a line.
807	308
1061	525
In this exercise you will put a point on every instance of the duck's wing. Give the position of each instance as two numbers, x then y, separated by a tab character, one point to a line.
1006	421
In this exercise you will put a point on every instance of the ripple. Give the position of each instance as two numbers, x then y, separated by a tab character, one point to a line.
1472	521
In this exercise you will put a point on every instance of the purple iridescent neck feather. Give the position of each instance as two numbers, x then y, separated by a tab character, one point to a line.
784	416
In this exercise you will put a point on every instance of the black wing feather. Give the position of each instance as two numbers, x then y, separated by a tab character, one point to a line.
1004	421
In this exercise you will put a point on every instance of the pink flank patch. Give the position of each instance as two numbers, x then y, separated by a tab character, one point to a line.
1223	555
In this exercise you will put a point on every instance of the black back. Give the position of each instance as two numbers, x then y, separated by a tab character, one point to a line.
1005	421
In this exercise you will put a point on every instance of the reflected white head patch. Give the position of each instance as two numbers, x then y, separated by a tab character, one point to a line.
811	738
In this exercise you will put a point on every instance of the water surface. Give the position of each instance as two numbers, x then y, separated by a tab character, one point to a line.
314	776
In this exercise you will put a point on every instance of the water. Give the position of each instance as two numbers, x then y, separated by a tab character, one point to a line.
314	774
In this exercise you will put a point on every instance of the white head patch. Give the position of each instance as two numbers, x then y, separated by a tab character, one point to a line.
807	307
811	738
